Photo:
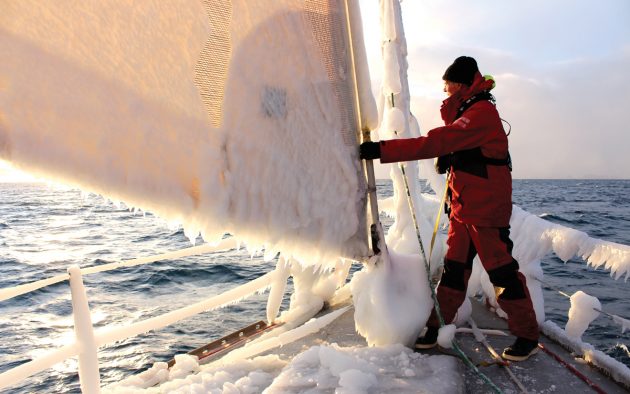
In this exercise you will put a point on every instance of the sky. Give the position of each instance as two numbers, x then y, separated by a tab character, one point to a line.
562	72
561	69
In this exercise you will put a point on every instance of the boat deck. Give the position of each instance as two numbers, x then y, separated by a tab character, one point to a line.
542	373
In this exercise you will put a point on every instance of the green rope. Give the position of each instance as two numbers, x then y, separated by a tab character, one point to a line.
456	347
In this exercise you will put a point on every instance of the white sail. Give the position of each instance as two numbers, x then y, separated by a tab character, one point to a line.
227	116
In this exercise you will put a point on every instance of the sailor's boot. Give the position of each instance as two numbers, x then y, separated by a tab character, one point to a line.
429	340
521	350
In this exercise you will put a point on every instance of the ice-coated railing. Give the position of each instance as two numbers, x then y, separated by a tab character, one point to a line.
88	341
227	243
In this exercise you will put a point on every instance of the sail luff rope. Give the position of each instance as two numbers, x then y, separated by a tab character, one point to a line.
365	133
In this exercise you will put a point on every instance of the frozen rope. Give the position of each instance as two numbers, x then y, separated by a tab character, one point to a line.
456	347
615	318
480	337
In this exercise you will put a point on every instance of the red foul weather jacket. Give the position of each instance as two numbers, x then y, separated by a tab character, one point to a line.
478	200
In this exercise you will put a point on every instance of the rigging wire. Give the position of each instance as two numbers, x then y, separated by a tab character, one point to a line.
480	337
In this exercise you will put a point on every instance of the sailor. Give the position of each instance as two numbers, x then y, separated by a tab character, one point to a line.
473	147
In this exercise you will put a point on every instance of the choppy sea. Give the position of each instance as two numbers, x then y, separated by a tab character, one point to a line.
45	229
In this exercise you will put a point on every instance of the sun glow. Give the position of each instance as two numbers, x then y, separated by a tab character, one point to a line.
10	174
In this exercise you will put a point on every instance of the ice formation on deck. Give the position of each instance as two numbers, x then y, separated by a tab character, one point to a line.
319	369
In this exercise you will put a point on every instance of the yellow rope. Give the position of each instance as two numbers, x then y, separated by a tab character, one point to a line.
437	218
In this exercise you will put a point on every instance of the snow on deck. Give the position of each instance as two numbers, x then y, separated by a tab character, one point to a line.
335	359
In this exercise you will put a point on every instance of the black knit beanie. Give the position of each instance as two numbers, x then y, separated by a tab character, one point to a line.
462	70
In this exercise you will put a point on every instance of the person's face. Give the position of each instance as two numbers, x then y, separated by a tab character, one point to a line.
450	88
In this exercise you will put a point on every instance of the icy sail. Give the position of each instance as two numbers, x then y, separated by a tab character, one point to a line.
227	116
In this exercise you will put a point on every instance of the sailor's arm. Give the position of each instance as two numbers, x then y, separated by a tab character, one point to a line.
467	132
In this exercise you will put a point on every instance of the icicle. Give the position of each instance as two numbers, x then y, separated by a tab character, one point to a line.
278	286
342	269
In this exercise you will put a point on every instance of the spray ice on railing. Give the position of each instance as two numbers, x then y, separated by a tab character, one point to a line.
88	341
225	244
583	311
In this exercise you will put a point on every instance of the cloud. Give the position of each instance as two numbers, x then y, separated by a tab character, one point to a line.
567	118
565	97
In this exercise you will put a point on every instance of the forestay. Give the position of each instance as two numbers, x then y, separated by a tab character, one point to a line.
226	116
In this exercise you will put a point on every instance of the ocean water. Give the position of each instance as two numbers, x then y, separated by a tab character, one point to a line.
43	230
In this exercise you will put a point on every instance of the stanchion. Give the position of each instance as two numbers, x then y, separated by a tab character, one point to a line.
89	374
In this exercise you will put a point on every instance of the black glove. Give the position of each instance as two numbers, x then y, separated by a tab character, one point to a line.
370	150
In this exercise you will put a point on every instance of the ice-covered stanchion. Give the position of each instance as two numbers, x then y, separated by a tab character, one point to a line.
584	309
89	374
312	287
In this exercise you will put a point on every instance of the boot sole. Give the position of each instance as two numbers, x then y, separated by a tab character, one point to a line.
519	358
425	346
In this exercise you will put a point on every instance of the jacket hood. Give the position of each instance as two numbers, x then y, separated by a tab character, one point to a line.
480	84
451	105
